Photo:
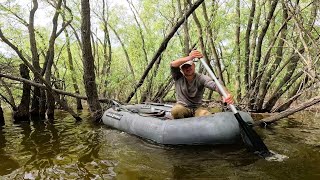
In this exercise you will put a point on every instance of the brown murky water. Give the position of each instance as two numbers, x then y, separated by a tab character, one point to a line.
69	150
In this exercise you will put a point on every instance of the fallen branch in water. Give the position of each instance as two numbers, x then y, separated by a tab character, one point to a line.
288	112
32	83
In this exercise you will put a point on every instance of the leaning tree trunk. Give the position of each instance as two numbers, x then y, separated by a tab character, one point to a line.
200	32
256	63
146	94
22	113
162	90
212	45
1	116
266	80
293	95
186	39
288	112
163	46
73	76
88	62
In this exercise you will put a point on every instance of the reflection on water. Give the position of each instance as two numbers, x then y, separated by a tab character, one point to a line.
7	162
65	149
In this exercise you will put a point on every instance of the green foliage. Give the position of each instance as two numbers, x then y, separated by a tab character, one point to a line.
156	18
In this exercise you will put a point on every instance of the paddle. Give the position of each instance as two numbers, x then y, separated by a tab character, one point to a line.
249	135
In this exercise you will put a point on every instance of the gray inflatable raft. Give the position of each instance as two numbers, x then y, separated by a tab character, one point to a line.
153	122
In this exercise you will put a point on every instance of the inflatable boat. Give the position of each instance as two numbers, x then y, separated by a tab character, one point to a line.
154	122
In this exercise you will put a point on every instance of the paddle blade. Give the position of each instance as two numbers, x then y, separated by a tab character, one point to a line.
251	138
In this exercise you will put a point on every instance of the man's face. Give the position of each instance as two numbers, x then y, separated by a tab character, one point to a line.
188	70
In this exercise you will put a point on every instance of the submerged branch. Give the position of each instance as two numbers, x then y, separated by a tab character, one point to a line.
288	112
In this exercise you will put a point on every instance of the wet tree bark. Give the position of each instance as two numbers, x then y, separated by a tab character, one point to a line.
88	63
22	113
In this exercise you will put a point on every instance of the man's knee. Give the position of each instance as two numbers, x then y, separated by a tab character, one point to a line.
178	111
201	111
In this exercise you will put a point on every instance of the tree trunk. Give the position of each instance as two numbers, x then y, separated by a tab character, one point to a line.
35	105
58	91
163	89
22	113
9	100
88	62
107	50
266	80
254	34
254	78
27	63
213	46
237	49
124	50
200	33
186	39
293	95
73	76
1	116
145	54
146	96
260	41
247	47
163	46
288	112
49	59
280	90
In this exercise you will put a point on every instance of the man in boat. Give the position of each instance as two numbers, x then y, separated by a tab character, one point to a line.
190	87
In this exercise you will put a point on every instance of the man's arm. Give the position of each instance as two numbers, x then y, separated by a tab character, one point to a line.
209	83
193	54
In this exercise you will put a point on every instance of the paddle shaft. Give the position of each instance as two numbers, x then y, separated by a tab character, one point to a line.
252	136
220	87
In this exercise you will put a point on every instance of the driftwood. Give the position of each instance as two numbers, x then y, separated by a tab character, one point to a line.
288	112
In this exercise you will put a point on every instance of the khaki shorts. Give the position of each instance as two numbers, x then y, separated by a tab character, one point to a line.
179	111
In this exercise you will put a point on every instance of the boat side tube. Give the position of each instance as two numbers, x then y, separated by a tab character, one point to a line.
219	128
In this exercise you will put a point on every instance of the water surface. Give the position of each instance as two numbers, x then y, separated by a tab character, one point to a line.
65	149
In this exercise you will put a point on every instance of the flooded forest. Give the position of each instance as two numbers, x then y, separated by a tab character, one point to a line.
64	62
